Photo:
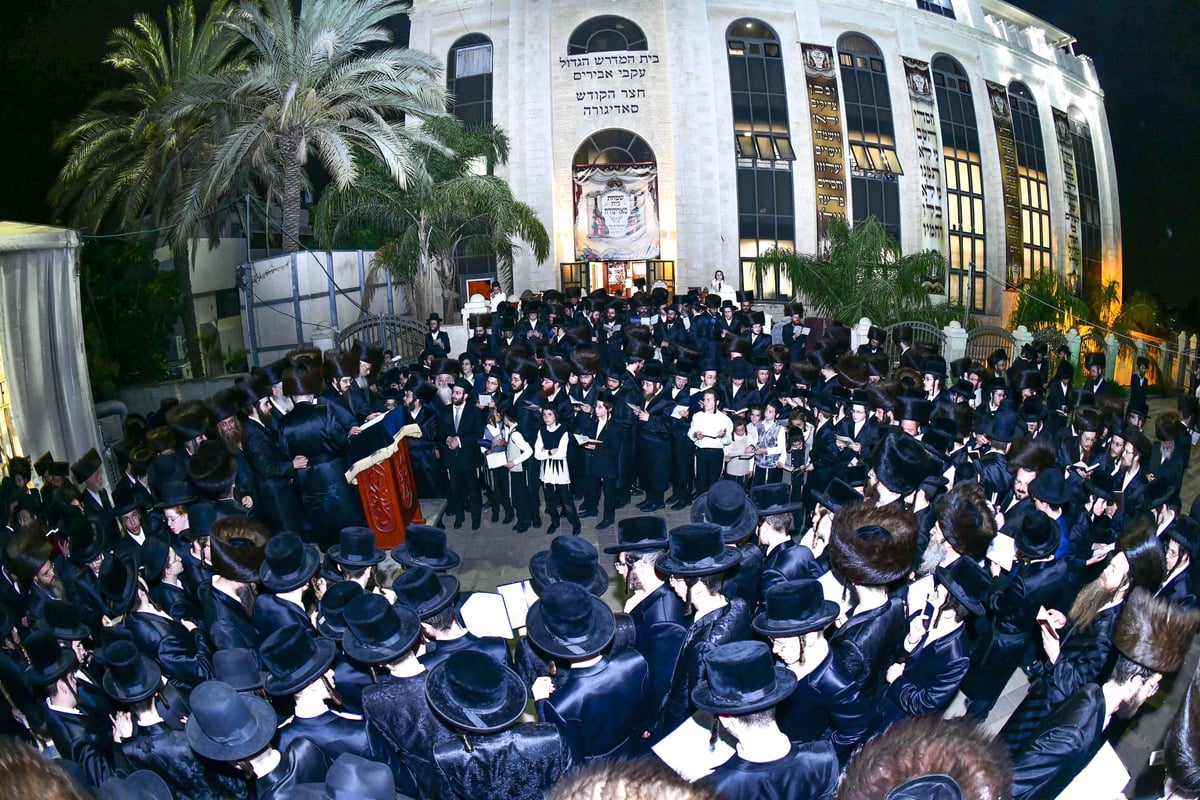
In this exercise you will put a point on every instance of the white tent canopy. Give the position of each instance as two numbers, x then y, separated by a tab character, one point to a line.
41	341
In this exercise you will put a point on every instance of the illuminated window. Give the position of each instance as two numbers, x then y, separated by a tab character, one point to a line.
871	133
763	149
1089	204
964	185
1035	191
943	7
606	34
469	79
613	146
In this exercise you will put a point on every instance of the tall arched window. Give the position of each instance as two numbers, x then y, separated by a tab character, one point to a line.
1035	190
964	184
469	78
613	146
763	149
605	34
871	133
1091	244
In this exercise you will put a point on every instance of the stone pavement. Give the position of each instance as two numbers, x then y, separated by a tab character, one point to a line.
496	555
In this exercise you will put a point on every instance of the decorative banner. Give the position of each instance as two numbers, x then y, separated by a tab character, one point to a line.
929	152
829	150
1066	146
1006	143
616	212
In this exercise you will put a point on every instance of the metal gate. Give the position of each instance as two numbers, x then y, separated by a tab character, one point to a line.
921	333
987	339
401	334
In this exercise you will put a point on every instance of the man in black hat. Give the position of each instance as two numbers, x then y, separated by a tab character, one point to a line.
823	455
785	559
285	575
436	337
1095	364
433	597
227	600
401	725
742	686
213	471
492	757
695	564
874	343
300	666
996	436
88	473
600	702
654	437
460	427
1182	539
277	502
656	611
1132	482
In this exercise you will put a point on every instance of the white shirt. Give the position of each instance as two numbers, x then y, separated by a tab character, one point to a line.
715	427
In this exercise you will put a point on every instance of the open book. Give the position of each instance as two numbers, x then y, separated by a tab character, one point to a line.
584	439
500	613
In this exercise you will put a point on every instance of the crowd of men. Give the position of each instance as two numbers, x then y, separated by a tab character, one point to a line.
874	532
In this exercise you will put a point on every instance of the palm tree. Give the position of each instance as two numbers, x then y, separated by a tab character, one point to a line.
124	163
1044	301
315	83
457	207
864	274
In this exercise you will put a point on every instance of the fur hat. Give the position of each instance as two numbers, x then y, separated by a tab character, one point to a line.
1183	743
966	521
1139	441
238	548
305	378
1153	633
1095	360
956	748
872	546
901	463
340	364
557	370
587	360
1139	542
853	371
189	419
1028	379
212	469
86	466
1035	455
1167	426
739	346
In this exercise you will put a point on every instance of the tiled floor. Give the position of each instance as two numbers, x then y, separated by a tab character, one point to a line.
495	555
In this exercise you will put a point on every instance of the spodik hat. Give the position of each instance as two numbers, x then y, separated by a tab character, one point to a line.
475	693
727	506
356	548
425	545
424	591
741	678
294	658
696	550
569	558
227	726
794	608
569	623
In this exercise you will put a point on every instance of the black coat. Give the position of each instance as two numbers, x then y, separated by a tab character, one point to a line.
824	705
351	680
602	710
277	502
1061	746
332	732
176	601
226	621
604	461
744	580
730	623
167	754
302	762
1180	589
993	474
272	613
520	763
86	740
402	726
789	562
932	675
428	472
183	655
866	645
329	502
808	772
660	627
467	457
823	455
438	651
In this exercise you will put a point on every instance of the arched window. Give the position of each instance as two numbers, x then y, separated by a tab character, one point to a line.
763	149
1091	245
943	8
1035	190
469	78
871	133
964	184
613	146
604	35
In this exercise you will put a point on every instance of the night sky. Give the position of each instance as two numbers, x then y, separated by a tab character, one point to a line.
1145	54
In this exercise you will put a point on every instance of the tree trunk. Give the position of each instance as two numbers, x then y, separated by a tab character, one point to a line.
181	257
292	173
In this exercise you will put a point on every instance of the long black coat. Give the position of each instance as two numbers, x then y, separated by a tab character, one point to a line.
271	613
520	763
808	772
438	651
824	458
302	762
167	754
1061	746
604	461
602	710
329	502
277	502
401	724
728	624
84	739
183	655
226	622
789	562
866	645
826	704
660	628
331	732
930	679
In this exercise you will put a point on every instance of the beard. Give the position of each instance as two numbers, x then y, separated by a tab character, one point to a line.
1127	708
548	391
932	557
1091	598
445	394
55	588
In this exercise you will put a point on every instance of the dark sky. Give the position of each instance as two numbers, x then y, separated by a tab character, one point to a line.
1145	53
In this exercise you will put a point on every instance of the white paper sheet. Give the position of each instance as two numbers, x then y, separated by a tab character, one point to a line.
1103	778
686	750
1002	551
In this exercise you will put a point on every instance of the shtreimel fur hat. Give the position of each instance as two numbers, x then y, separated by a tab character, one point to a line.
966	521
872	546
1153	633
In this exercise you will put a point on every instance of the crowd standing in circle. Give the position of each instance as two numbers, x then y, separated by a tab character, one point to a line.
873	532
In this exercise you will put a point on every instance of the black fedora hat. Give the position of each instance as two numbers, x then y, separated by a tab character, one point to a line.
642	534
130	676
424	591
294	658
1002	427
1037	537
773	498
175	493
1100	484
125	501
86	466
352	777
727	506
1050	487
741	678
227	726
475	693
794	608
152	558
376	631
1158	493
238	666
967	582
86	537
569	623
822	401
288	563
201	517
356	548
1185	531
118	584
837	495
696	550
62	619
333	604
48	659
425	545
569	558
141	784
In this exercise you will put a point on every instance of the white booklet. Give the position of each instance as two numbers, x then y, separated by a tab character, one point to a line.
518	597
499	613
687	751
1104	777
1002	551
